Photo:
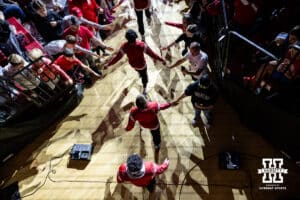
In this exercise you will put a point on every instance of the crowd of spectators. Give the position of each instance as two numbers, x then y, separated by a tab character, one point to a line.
55	44
274	26
48	46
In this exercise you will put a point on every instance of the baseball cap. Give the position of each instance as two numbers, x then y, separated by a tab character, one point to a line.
15	59
204	81
35	54
192	28
282	36
38	4
296	46
76	11
68	52
74	21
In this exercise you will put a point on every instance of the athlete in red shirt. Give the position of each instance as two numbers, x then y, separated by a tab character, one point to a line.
135	49
139	7
186	20
146	114
140	173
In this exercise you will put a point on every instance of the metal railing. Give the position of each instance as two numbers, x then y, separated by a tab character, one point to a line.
225	40
26	87
234	51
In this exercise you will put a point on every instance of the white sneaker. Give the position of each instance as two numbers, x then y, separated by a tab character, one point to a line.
207	126
194	122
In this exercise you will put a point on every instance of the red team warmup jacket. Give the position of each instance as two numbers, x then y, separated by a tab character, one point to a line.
135	53
177	25
141	4
147	117
151	169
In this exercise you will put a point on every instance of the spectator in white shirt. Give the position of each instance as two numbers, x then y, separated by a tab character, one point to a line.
56	47
198	62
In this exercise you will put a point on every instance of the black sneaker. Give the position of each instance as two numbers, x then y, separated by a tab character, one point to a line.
151	186
149	21
145	92
157	148
98	71
106	53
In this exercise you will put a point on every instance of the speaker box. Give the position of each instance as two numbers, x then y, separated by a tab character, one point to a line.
81	152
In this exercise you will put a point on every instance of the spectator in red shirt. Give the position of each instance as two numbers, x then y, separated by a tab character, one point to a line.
266	70
139	7
245	13
89	8
96	28
135	49
146	114
83	34
289	69
294	35
73	67
140	173
84	37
